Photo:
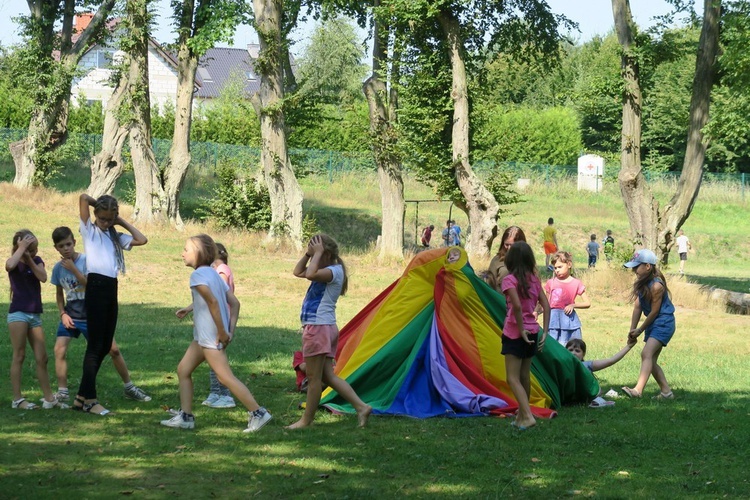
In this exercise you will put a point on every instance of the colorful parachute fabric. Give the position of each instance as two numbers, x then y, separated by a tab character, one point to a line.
429	345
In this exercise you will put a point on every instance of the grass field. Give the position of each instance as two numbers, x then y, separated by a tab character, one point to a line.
694	446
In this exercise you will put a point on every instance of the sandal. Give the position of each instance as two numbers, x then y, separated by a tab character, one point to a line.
631	392
89	408
78	403
600	402
662	396
22	404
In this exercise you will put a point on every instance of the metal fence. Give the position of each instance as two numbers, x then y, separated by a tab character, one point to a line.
208	156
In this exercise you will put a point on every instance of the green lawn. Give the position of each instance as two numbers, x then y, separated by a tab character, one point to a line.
694	446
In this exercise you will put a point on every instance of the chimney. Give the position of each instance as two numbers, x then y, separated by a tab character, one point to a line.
253	49
83	20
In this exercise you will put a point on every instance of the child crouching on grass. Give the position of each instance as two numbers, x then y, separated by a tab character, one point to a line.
215	313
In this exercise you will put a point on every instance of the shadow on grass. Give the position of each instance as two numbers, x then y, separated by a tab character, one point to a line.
740	285
694	445
352	228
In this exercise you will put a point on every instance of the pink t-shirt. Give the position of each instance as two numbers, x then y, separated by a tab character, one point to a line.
528	304
224	270
563	293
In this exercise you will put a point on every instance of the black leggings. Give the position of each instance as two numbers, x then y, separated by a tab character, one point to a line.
101	314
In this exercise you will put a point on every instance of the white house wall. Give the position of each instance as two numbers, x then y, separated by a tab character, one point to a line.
94	84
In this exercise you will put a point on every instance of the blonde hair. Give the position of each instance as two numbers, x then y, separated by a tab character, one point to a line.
332	249
562	256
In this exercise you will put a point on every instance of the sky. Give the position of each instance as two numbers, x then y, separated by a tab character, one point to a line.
594	17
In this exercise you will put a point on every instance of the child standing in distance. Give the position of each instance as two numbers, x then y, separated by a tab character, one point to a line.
521	339
651	297
683	246
26	274
609	246
592	248
69	276
550	242
322	265
219	395
215	313
564	291
104	247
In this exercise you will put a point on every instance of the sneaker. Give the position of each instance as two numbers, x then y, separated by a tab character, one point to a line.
62	396
257	419
211	399
136	393
48	405
223	402
180	421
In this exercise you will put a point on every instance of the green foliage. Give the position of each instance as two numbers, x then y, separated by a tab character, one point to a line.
239	201
501	185
551	136
331	127
85	118
230	119
309	227
162	121
15	101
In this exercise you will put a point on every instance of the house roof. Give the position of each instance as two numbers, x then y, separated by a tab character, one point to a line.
216	67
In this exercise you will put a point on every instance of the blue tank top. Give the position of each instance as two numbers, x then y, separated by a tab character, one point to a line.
664	321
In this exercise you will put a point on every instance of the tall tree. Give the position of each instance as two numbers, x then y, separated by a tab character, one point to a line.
283	188
50	81
199	26
650	226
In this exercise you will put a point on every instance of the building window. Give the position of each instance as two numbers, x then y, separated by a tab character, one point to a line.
205	75
250	75
103	59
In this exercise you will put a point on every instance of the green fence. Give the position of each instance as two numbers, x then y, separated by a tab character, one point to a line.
80	148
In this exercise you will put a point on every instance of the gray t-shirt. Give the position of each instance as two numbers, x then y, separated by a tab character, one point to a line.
593	248
75	292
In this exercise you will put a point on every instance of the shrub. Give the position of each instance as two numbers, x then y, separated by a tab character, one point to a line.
238	201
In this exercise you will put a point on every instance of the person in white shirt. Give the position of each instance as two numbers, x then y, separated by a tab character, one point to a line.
683	245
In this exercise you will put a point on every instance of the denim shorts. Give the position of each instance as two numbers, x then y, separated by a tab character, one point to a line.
32	319
81	327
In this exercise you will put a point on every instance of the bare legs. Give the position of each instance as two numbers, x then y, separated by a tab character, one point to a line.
518	376
61	362
19	334
217	360
319	369
650	366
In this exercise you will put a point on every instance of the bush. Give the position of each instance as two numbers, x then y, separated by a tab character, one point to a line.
238	201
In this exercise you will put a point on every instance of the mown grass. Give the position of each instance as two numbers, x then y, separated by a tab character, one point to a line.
693	446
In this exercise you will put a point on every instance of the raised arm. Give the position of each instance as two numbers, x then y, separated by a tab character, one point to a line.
309	265
84	202
138	237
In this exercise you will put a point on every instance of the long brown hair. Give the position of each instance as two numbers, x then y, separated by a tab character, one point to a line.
514	232
521	263
641	288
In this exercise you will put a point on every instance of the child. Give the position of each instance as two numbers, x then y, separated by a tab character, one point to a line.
592	248
215	313
218	396
609	246
26	274
550	242
69	276
427	235
322	265
104	247
497	269
563	290
523	291
577	348
651	297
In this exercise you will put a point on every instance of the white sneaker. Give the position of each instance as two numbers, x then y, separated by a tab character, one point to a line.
63	396
211	399
48	405
257	419
180	421
223	402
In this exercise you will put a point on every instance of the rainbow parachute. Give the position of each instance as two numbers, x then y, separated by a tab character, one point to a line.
429	345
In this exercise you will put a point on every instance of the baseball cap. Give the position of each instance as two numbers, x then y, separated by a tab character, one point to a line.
643	256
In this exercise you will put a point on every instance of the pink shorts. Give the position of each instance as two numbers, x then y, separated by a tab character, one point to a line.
320	339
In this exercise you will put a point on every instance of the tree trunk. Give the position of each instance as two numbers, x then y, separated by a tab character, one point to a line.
681	204
640	205
481	206
150	200
650	227
48	124
179	153
283	188
383	138
106	166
